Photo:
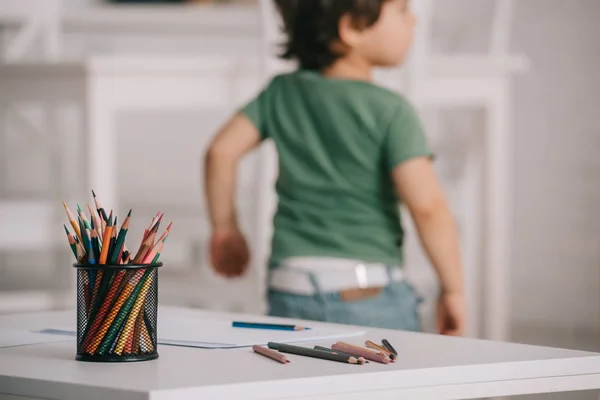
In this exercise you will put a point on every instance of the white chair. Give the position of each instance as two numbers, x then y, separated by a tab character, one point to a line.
35	20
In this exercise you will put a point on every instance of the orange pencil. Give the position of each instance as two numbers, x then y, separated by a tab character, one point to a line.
106	240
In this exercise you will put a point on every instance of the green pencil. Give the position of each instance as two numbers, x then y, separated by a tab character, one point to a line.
120	240
72	243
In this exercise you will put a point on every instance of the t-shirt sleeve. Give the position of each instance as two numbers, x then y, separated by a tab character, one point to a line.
256	110
405	138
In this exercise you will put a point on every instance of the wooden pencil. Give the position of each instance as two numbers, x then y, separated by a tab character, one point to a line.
165	234
381	349
96	220
95	243
72	221
91	259
362	360
389	346
99	207
81	214
114	257
106	241
273	355
361	352
72	243
306	352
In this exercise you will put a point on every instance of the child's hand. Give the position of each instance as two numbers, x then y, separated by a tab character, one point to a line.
229	253
451	314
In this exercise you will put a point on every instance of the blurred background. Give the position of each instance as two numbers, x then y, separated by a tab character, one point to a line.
124	98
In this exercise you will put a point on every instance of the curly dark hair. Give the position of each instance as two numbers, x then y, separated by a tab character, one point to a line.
311	27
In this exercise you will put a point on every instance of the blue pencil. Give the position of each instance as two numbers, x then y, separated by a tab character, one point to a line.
277	327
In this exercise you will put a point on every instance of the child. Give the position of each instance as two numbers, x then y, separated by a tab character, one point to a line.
348	152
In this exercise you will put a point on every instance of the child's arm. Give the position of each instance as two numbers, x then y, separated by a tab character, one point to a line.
420	190
229	251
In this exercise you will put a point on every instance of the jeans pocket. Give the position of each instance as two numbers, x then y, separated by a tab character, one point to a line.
407	301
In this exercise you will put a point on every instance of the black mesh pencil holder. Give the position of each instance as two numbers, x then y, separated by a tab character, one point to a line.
117	310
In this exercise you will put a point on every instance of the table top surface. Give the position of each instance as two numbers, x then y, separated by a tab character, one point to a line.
50	370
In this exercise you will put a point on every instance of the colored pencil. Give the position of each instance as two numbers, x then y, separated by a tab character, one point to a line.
375	346
389	346
114	258
259	325
91	257
96	221
157	255
166	233
362	360
72	221
95	243
99	207
72	243
81	256
106	241
361	352
273	355
306	352
86	222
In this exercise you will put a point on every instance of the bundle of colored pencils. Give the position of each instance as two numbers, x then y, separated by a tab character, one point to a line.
113	282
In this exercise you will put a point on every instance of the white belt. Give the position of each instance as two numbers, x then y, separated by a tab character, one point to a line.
331	274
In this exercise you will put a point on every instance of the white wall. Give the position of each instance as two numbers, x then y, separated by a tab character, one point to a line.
556	261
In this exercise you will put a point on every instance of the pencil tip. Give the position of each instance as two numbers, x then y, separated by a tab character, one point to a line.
64	205
78	208
66	230
94	194
129	213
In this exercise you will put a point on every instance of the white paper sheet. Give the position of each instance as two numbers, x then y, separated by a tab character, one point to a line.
220	334
18	337
210	334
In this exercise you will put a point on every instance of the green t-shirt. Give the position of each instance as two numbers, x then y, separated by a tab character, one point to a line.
337	141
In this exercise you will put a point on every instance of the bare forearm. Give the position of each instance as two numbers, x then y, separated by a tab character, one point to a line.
439	237
220	179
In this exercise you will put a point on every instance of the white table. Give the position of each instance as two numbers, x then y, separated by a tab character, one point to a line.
429	367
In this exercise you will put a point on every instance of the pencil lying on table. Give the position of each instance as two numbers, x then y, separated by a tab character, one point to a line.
270	354
260	325
389	346
361	360
381	349
306	352
361	352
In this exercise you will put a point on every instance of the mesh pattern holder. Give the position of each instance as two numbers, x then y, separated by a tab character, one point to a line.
117	311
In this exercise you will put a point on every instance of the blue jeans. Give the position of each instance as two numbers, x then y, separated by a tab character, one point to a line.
395	307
